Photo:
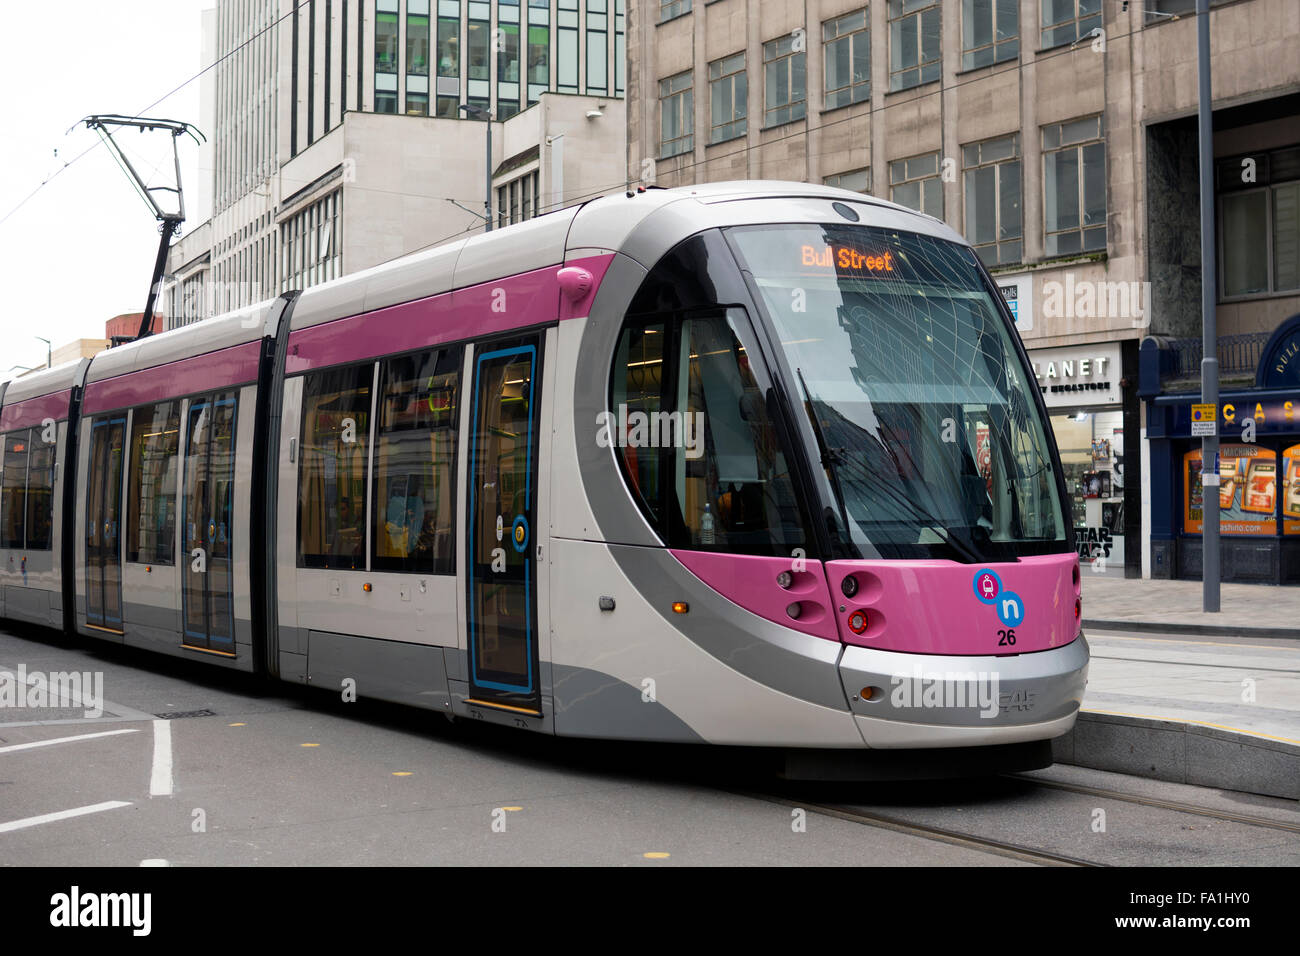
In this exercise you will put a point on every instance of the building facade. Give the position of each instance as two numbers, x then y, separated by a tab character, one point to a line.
349	132
1058	136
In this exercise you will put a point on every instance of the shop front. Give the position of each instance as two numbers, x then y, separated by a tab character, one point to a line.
1084	389
1258	471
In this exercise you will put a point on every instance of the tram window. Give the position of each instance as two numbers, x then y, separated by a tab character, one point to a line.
332	475
696	441
155	440
638	388
415	463
40	492
13	490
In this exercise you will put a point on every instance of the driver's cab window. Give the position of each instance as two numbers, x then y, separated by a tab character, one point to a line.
691	429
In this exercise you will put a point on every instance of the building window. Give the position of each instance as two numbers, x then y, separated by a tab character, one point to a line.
990	32
915	183
480	32
417	37
417	104
415	463
448	107
676	115
386	37
539	60
332	474
620	47
566	46
859	180
992	184
312	243
913	43
1074	187
848	59
151	498
508	65
597	55
1153	9
1259	223
449	47
1065	21
728	92
672	9
783	70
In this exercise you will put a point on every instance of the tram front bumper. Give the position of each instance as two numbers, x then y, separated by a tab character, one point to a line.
924	700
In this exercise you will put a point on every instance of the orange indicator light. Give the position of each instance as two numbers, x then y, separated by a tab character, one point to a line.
680	607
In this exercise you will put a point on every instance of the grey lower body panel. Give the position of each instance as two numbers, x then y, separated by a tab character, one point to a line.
413	674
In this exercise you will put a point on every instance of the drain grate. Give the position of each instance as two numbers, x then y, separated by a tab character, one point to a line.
177	715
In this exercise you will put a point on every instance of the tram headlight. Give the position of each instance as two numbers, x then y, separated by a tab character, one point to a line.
849	586
785	579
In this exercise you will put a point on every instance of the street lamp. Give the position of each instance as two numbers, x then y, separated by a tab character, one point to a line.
479	112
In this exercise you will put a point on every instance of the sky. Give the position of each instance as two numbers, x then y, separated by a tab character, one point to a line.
81	250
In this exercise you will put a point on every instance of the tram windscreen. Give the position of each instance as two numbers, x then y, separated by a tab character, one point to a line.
929	433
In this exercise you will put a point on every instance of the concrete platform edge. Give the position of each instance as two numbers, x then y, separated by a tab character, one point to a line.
1200	630
1180	752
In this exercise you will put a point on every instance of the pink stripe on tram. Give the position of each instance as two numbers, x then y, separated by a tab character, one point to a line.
516	302
33	411
236	365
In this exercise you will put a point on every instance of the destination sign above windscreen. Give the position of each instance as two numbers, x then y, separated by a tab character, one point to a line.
848	259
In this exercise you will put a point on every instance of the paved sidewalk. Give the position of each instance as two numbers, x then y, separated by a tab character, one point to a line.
1174	607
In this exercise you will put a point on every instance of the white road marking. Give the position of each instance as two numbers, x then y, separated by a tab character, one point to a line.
154	863
160	783
62	815
63	740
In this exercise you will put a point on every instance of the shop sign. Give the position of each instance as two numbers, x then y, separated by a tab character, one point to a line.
1019	294
1078	375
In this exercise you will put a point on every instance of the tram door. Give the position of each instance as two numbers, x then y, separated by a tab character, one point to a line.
207	512
103	524
502	579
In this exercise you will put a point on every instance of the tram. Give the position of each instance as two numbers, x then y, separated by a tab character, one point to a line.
758	464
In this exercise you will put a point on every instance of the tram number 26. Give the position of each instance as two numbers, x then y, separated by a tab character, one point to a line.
1007	638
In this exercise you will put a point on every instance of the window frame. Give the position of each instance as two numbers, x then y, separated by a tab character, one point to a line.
997	165
685	108
898	75
1003	50
1077	145
1076	22
322	560
907	179
738	123
850	39
672	9
1269	186
455	355
136	487
779	55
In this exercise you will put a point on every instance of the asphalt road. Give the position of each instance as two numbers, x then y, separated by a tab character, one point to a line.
262	774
